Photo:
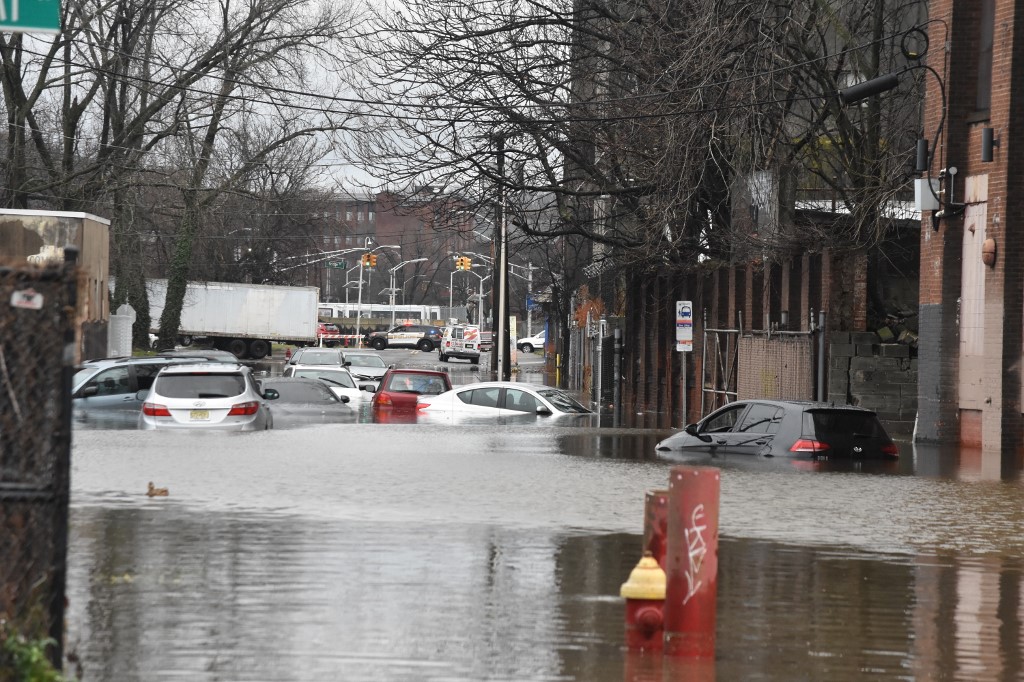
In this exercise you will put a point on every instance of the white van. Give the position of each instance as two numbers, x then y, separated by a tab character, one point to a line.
460	341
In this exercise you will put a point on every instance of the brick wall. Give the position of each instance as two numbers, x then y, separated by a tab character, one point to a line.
876	376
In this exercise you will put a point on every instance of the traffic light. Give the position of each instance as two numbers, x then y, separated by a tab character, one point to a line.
458	262
467	264
366	260
373	260
462	263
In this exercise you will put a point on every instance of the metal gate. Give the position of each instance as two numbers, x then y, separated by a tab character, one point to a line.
719	365
37	349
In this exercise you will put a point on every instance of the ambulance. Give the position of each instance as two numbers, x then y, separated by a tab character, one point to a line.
460	341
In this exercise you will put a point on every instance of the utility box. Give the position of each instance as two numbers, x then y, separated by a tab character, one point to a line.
925	196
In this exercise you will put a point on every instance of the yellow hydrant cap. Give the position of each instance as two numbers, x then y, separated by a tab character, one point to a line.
646	581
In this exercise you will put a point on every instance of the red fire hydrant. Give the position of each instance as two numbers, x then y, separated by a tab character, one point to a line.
645	604
288	353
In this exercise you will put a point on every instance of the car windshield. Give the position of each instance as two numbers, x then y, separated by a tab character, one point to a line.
300	392
844	422
335	378
365	360
563	401
314	358
416	383
200	385
82	374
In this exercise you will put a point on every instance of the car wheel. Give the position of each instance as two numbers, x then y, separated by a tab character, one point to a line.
425	345
527	348
379	344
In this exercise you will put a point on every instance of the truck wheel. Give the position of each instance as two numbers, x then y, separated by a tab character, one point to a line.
475	361
237	347
258	348
442	357
425	345
379	344
185	340
527	348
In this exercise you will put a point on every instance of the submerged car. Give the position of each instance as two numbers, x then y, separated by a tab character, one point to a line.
302	401
782	428
338	379
366	368
400	388
207	396
318	356
503	398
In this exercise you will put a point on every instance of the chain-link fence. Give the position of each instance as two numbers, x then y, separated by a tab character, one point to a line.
37	344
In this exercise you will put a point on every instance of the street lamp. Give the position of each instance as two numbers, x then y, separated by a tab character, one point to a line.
480	298
359	300
392	289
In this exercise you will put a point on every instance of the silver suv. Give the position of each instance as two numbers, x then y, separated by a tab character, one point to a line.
107	391
207	396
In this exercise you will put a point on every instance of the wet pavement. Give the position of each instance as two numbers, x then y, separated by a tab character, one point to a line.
490	552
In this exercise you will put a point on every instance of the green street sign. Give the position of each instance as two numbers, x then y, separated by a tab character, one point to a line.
340	264
30	16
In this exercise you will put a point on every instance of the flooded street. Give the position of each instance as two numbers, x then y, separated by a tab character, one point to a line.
482	552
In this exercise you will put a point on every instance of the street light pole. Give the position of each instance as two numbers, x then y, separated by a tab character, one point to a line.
359	300
392	288
504	367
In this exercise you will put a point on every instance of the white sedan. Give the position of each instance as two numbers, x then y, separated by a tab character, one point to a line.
502	399
338	379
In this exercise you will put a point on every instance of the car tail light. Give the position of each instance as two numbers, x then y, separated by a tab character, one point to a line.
155	410
890	450
383	399
244	409
808	445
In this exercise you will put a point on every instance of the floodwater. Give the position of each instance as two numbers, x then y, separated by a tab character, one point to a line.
487	552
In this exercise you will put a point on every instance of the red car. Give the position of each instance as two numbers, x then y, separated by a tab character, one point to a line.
399	388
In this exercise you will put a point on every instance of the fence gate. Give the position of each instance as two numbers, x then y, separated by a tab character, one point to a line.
37	316
719	365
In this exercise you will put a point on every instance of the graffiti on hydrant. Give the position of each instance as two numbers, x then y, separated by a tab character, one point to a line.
697	548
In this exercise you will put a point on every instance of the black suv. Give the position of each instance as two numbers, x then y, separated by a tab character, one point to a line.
423	336
782	428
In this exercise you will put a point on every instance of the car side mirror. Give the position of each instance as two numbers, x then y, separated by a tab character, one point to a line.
692	430
348	363
142	394
90	391
370	388
271	394
542	410
343	398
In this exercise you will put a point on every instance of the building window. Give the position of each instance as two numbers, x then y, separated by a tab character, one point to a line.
369	216
983	100
348	214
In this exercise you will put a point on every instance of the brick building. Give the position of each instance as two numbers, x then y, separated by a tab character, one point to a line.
971	267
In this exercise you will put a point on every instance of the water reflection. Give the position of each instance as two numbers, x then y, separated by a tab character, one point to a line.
495	552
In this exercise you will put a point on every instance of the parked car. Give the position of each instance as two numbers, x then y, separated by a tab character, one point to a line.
318	356
780	428
503	398
106	391
207	396
338	379
366	368
423	336
528	344
302	401
399	389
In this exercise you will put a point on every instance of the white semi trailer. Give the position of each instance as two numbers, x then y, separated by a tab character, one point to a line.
244	319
